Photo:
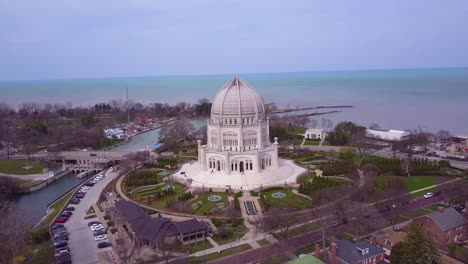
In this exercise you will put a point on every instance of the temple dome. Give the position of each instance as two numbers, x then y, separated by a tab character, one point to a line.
237	98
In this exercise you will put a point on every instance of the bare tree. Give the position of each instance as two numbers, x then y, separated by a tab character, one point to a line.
179	130
407	166
443	135
133	160
313	123
374	126
278	222
171	249
124	247
13	231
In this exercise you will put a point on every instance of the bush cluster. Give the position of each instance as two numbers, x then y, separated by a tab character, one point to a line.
393	166
338	167
317	184
185	196
163	162
142	178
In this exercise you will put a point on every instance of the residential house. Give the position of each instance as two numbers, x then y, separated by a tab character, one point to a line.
360	252
146	230
315	133
387	239
445	226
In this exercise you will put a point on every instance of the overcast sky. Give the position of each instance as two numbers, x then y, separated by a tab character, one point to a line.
50	39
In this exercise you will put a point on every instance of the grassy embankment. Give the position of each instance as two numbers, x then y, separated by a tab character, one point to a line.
18	167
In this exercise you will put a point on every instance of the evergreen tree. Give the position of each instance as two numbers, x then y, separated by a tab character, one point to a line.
415	249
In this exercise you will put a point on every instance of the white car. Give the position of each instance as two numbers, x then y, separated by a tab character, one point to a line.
85	187
428	195
99	238
96	227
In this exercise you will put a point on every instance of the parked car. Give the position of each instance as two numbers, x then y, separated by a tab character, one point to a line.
59	231
67	213
90	184
94	223
438	193
60	221
104	244
63	259
428	195
61	236
62	248
80	195
61	252
57	226
97	227
75	201
60	243
99	238
64	216
70	208
99	232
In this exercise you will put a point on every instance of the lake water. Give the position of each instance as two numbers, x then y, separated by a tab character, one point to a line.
399	99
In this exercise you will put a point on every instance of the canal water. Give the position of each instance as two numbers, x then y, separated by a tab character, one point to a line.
32	206
150	138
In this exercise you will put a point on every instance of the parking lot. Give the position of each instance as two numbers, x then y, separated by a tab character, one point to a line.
82	244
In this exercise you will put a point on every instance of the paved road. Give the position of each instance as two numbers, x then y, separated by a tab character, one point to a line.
82	244
306	239
463	165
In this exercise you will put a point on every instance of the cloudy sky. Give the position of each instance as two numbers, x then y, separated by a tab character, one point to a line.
50	39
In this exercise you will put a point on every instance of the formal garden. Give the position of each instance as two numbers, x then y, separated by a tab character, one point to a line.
161	196
209	203
280	197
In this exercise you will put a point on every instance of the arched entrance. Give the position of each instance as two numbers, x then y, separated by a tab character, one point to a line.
218	165
241	166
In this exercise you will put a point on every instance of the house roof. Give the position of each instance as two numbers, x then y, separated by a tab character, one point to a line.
190	226
350	253
152	229
129	211
448	219
306	259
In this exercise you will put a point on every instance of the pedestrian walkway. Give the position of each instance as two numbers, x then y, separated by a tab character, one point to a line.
254	244
212	242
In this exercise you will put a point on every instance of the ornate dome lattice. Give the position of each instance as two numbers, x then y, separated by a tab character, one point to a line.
237	98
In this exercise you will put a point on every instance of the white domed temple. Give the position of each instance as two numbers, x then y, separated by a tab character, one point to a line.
239	153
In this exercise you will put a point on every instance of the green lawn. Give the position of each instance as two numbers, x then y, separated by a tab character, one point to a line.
59	204
304	250
263	242
432	207
213	256
42	253
146	197
301	230
204	206
16	167
412	183
199	246
312	142
290	201
416	213
418	182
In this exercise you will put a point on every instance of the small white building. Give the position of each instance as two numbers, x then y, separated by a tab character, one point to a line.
114	133
315	133
387	134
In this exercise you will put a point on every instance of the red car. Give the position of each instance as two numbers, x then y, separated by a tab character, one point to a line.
60	220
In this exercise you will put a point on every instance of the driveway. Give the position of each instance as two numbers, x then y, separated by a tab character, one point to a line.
82	244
